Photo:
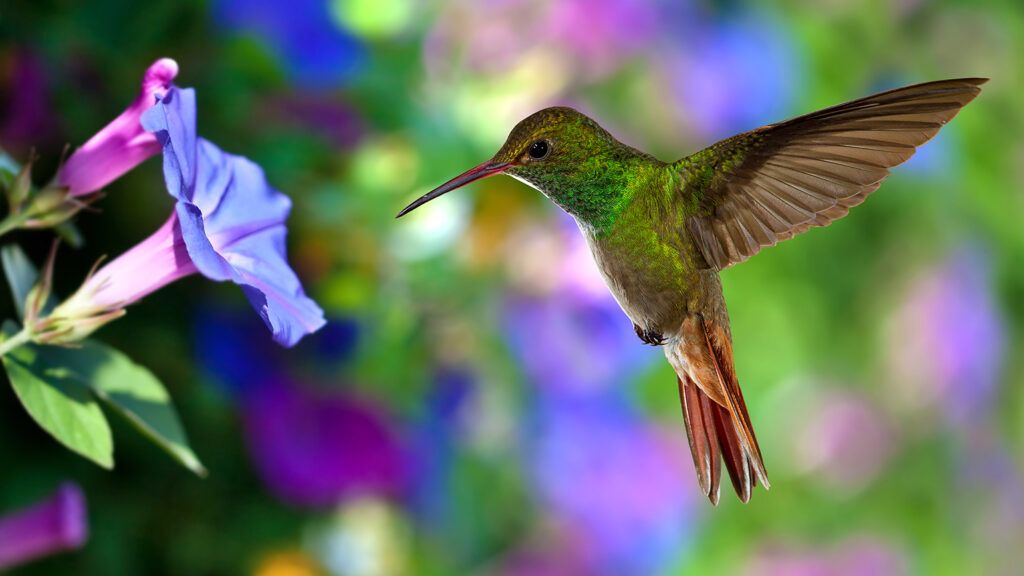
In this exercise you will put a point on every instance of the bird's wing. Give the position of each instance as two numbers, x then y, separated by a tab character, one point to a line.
772	183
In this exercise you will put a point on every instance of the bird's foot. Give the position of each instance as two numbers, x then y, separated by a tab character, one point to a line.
648	336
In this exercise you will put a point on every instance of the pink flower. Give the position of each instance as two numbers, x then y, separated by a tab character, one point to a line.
121	145
54	525
145	268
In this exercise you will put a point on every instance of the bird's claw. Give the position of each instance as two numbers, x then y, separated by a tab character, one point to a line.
648	336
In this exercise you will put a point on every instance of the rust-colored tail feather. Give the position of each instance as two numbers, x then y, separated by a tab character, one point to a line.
719	432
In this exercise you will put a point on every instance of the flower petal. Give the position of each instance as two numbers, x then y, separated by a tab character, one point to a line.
232	220
173	123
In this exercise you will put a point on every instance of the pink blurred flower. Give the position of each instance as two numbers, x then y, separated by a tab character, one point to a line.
851	557
845	439
121	145
51	526
946	342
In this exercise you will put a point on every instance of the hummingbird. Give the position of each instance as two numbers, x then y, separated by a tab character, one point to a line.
661	232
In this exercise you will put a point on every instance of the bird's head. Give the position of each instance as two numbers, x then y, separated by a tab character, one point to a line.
559	151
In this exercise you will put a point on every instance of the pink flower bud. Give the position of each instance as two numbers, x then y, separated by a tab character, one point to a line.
121	145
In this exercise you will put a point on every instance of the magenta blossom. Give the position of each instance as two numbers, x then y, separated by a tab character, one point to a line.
228	224
121	145
54	525
316	449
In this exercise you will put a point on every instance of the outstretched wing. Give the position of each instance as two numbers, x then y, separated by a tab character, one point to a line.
772	183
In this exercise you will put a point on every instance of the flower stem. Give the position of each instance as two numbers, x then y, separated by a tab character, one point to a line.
12	222
22	337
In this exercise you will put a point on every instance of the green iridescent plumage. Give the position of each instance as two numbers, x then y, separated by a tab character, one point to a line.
661	232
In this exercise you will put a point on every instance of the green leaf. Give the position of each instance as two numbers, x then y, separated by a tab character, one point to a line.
59	403
134	392
21	274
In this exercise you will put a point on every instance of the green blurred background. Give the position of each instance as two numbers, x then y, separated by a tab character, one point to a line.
477	403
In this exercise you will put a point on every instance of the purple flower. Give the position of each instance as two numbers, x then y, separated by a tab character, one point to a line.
620	484
231	219
603	33
947	339
122	144
574	339
27	116
228	224
315	449
54	525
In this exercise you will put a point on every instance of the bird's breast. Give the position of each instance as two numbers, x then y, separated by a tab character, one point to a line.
651	277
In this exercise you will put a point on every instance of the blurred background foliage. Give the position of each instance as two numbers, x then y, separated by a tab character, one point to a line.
478	404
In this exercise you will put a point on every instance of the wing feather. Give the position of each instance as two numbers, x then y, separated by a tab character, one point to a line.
775	182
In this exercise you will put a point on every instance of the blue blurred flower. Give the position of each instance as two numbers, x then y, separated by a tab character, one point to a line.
736	75
231	219
316	52
229	349
620	484
318	448
232	352
55	525
434	443
947	341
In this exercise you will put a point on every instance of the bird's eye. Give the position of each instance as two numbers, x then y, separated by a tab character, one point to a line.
539	150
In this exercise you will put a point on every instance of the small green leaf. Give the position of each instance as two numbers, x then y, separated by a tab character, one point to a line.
134	392
60	404
9	169
69	232
21	274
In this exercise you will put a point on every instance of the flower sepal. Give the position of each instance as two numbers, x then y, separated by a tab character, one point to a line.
19	189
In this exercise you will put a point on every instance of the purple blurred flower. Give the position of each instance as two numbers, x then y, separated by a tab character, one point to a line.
602	34
575	339
946	342
321	114
55	525
228	224
315	449
851	557
122	144
314	50
736	76
844	438
27	117
620	484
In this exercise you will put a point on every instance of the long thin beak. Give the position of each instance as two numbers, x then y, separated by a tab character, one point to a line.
473	174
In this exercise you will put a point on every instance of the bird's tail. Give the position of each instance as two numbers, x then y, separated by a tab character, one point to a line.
717	424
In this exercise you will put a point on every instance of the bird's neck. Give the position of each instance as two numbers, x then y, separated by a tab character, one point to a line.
598	190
